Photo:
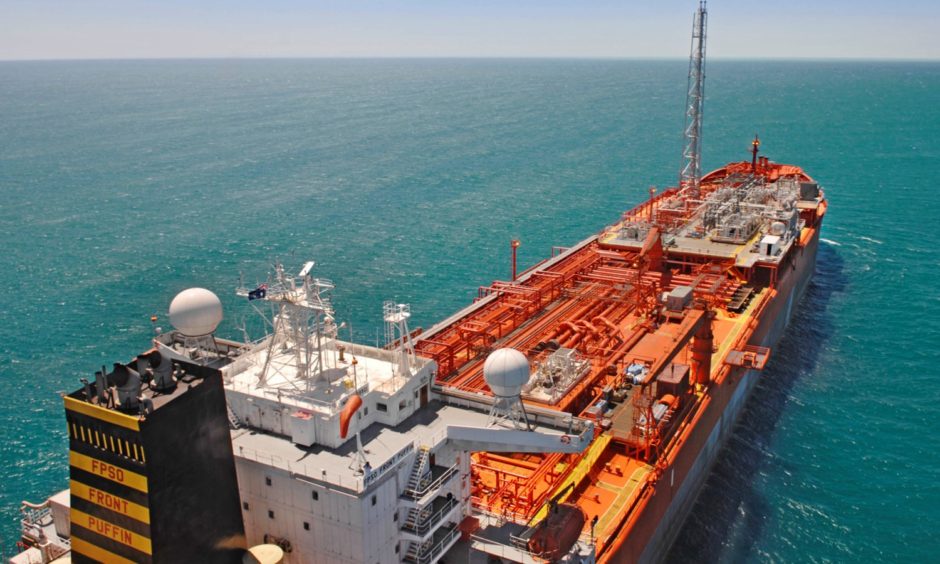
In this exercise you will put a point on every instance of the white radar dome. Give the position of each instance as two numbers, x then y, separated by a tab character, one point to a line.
506	371
195	312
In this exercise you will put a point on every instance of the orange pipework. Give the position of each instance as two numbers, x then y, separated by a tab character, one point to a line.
596	299
345	416
591	328
570	326
477	466
601	320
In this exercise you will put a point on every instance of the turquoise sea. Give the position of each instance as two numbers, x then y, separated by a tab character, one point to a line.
122	183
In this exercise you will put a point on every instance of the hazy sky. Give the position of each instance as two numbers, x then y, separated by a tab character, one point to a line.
80	29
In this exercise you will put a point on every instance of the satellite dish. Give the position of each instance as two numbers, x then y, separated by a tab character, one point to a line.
506	371
196	312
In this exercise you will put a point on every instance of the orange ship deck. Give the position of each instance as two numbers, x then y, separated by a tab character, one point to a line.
593	313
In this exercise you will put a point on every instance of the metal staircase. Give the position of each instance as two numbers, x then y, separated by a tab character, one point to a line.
434	548
423	521
420	473
411	555
233	419
416	519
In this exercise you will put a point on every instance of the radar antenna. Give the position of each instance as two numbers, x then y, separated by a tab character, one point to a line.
695	99
304	320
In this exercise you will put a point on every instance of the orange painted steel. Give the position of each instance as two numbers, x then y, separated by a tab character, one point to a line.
345	416
604	301
518	488
702	345
512	304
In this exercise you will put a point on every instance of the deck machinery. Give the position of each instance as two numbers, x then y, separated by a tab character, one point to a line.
642	328
656	329
619	367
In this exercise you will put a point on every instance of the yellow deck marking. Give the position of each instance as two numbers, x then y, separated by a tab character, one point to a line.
740	322
624	495
578	474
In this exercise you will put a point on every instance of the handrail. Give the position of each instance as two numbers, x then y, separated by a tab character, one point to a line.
428	524
299	399
420	493
426	555
508	551
299	470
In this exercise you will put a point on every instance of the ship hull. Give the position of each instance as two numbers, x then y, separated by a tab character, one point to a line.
668	505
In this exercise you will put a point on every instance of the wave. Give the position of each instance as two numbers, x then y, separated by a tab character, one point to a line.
870	240
830	241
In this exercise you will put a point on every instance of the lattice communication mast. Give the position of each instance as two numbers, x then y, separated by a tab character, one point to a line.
692	170
303	323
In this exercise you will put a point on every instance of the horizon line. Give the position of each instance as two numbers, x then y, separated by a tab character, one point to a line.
469	57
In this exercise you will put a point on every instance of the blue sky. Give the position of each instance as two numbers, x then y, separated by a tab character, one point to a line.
81	29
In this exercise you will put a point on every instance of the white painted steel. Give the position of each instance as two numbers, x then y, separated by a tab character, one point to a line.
196	312
506	371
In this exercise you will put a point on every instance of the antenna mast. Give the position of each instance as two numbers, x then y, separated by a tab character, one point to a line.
692	171
303	324
396	319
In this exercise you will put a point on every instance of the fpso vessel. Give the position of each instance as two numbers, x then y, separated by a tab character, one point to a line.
657	329
569	414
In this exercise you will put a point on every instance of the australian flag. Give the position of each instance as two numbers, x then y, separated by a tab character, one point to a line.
258	293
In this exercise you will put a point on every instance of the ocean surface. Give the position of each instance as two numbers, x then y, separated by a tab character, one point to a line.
122	183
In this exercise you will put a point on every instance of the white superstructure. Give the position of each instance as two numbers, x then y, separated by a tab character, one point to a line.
396	485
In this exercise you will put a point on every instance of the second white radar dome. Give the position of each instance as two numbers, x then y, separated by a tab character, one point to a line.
506	371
